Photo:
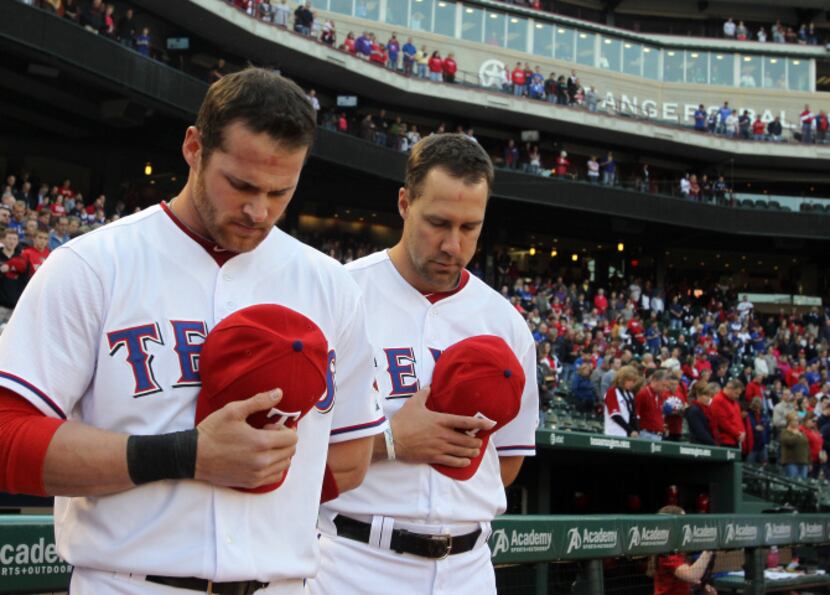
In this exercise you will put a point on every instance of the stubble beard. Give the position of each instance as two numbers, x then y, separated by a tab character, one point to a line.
215	229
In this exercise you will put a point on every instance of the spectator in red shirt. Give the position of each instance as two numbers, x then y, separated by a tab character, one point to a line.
66	189
562	164
755	388
436	67
648	406
758	128
378	55
349	43
30	259
450	68
99	203
727	414
600	301
674	419
673	575
519	80
57	208
815	440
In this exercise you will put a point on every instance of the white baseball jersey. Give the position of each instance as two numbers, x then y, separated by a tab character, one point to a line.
408	333
109	332
617	402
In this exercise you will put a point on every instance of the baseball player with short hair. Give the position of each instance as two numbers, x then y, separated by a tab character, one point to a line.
410	529
100	409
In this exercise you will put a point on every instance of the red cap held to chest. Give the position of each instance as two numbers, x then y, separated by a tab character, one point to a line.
257	349
477	377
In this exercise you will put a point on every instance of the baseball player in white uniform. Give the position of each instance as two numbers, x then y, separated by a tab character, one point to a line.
104	345
409	529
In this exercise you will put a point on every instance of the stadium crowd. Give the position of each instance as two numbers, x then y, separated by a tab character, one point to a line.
101	18
646	360
391	131
523	80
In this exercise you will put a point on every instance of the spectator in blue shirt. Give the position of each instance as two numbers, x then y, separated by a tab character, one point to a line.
393	47
59	236
409	51
723	113
812	375
583	389
801	387
653	338
761	432
700	119
142	42
363	46
609	170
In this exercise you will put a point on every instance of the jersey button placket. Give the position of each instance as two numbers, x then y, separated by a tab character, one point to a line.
223	297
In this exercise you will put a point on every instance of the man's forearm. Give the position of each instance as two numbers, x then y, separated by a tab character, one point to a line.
85	461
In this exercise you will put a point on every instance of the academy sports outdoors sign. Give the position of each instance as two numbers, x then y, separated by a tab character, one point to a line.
29	560
521	541
646	535
811	532
595	540
740	534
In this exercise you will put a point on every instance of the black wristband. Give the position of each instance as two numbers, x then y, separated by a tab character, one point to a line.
166	456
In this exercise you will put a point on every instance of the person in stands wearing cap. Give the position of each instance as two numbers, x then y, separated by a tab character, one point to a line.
102	411
419	523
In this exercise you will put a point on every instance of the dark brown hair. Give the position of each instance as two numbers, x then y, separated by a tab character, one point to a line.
457	154
263	101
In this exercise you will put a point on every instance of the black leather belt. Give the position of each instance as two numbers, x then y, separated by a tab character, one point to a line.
206	586
407	542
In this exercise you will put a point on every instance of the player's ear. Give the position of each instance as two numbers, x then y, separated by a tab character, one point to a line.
404	202
192	147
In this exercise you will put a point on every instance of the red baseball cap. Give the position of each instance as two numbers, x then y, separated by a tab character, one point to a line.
257	349
477	377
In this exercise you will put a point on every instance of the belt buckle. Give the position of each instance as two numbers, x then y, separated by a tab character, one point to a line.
440	546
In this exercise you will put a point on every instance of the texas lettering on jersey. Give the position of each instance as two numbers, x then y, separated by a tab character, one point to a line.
137	344
400	365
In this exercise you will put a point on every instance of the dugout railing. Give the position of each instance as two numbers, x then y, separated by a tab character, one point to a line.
29	562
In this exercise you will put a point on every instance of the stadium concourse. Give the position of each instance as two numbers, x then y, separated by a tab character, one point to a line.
682	360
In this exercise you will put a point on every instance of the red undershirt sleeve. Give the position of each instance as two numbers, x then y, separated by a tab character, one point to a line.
25	434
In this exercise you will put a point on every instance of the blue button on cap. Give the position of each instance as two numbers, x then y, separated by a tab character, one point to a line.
297	345
508	373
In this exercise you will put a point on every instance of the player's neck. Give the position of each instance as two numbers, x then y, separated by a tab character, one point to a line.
185	211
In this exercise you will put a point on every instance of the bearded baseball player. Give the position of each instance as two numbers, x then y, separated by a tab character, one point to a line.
410	528
100	409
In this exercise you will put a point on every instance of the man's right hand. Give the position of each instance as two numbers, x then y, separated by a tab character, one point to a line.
425	436
232	453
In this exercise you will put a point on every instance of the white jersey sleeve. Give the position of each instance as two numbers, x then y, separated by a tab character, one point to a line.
518	438
355	415
50	345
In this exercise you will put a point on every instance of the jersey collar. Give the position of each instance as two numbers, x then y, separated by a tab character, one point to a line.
217	253
434	298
